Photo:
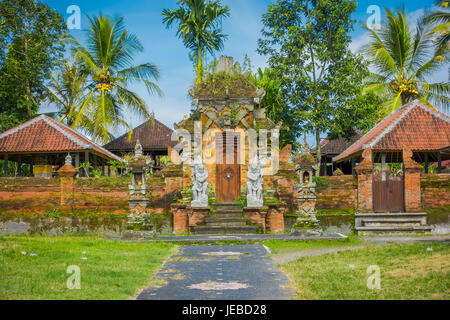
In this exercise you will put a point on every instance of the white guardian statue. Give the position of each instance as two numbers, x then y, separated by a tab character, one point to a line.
255	183
199	184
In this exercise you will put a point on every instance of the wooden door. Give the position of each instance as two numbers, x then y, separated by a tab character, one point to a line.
228	169
388	192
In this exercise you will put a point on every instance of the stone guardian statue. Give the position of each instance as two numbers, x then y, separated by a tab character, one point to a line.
199	184
255	177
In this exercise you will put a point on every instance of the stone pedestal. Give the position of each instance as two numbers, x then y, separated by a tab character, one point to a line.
197	216
180	218
275	218
257	216
67	173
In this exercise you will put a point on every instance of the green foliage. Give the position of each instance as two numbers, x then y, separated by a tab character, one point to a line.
225	85
108	59
276	107
321	182
199	27
31	46
403	61
86	166
97	173
52	213
307	44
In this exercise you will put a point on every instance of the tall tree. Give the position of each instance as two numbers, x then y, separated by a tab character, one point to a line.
31	46
403	61
67	91
441	22
276	107
108	59
199	27
307	43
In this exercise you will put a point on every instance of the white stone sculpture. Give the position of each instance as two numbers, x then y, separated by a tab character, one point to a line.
199	184
255	183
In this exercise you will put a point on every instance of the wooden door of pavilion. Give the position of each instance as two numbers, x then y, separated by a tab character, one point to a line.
388	192
228	169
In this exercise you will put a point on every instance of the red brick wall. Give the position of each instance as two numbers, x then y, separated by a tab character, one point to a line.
435	191
340	193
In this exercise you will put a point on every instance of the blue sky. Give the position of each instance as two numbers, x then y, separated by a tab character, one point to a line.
163	48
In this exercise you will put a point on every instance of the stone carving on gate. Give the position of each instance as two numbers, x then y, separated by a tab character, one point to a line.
255	177
199	184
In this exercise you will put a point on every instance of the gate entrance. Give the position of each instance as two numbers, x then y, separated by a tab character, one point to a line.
228	169
388	191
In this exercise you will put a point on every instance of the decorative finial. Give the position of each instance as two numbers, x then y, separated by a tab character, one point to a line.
68	160
138	153
306	149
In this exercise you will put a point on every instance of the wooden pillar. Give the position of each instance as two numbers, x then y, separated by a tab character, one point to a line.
426	163
95	165
103	166
77	163
5	165
439	170
86	160
19	166
31	167
353	166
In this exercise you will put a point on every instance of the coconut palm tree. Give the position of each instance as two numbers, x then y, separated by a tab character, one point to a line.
441	22
199	24
403	61
67	90
108	60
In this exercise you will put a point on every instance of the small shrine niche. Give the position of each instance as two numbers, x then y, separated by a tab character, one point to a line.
306	166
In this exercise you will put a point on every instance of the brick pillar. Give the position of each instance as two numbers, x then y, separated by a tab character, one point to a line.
275	219
180	218
365	182
66	173
412	170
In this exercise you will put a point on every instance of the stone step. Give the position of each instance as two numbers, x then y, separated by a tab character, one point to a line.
393	229
225	211
225	219
213	230
393	222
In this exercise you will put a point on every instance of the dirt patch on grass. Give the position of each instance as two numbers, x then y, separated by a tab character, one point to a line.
415	268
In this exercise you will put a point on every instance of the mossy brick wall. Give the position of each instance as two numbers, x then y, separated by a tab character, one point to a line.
435	191
22	195
337	193
91	196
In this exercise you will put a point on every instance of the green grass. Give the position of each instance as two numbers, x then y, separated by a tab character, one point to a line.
113	270
281	247
408	272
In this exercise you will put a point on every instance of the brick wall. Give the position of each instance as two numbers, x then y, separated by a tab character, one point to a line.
435	191
339	193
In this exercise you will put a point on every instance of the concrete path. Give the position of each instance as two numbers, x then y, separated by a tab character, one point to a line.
220	272
443	238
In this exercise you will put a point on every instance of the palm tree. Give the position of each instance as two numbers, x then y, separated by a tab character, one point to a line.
403	61
66	90
441	22
199	24
108	60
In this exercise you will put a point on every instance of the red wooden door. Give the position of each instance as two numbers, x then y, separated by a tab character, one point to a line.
388	192
228	169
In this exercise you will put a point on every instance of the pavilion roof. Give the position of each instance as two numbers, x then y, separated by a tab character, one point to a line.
152	134
415	125
46	135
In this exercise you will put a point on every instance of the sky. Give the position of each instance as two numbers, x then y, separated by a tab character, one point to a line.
164	49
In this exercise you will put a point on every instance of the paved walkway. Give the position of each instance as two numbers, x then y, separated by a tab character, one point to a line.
220	272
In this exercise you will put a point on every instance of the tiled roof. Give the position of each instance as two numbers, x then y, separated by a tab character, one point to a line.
415	125
44	134
153	135
337	146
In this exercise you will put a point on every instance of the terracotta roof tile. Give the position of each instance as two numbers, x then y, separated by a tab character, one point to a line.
44	134
337	146
415	125
153	135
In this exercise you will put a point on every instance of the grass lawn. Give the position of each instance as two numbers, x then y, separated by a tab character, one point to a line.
285	247
407	272
112	270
